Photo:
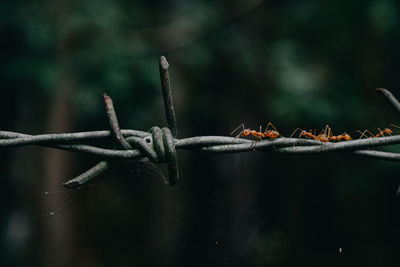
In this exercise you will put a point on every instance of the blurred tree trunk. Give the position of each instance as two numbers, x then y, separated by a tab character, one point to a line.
57	166
58	241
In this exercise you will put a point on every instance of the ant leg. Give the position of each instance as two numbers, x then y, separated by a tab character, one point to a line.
363	134
381	133
370	133
326	130
394	125
270	124
298	129
241	125
322	132
238	135
294	132
273	127
330	133
258	138
252	142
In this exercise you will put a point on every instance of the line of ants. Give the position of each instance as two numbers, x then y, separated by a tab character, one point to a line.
326	135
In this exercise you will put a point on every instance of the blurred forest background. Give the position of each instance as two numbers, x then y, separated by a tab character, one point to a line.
301	63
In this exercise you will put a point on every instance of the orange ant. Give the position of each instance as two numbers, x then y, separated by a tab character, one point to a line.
380	134
272	134
325	135
341	137
309	135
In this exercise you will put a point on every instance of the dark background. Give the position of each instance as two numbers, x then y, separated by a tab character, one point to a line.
295	63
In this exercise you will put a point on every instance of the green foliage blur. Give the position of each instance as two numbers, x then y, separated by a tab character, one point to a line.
300	64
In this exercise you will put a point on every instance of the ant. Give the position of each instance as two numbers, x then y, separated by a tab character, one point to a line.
272	134
380	134
325	135
341	137
309	135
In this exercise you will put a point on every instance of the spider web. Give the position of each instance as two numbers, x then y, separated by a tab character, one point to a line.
246	227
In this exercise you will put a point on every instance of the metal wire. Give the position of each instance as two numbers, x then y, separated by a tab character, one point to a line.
159	144
167	95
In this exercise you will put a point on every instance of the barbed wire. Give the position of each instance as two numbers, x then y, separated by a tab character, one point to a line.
159	144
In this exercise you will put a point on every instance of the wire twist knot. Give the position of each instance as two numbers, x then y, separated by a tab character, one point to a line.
159	147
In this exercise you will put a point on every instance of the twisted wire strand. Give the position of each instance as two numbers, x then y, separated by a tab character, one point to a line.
214	144
158	146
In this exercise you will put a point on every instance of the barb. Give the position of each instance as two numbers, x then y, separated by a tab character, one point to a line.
102	166
390	99
167	96
99	168
112	118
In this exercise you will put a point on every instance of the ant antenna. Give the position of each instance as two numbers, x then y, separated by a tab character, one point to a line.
395	125
241	125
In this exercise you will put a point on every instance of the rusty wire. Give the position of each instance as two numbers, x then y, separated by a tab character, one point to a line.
160	144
